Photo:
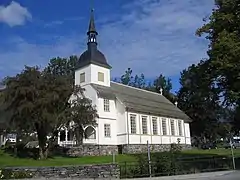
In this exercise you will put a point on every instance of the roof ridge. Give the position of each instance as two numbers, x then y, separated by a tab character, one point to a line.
140	89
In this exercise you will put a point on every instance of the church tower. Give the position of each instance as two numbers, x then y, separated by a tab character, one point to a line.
92	66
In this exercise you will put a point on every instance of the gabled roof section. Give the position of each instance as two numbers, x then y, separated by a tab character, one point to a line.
142	101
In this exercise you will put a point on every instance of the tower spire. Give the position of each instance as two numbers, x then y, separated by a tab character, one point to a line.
92	33
91	28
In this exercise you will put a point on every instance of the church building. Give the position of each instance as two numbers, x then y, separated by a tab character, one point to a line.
129	117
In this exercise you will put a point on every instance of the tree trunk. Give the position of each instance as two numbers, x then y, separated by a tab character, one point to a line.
42	142
79	135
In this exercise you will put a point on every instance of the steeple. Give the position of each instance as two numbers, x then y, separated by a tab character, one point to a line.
92	33
92	55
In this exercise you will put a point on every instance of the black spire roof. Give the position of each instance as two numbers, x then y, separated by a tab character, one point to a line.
92	55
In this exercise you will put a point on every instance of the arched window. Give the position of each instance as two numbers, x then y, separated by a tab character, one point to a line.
90	133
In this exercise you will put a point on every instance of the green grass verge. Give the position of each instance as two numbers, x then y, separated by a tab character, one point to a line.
7	160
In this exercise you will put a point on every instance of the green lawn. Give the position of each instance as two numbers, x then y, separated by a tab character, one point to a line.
8	160
214	152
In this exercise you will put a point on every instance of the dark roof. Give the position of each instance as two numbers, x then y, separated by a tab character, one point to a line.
91	28
92	56
139	100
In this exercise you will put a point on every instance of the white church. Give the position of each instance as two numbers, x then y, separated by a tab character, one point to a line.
128	116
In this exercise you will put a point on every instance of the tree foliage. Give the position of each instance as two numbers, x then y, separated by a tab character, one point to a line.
81	113
198	98
210	90
139	81
39	101
223	31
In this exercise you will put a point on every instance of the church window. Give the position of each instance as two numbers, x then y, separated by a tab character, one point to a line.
164	126
144	125
154	125
82	77
106	105
172	127
180	128
107	130
133	124
101	76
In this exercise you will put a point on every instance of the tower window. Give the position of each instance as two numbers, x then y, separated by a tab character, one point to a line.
101	76
82	77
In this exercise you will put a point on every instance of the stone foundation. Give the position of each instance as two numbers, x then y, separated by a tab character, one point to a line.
139	148
101	150
108	171
91	150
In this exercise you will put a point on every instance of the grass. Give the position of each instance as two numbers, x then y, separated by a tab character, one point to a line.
212	152
7	160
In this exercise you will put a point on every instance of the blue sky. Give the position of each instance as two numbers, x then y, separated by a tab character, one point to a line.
150	36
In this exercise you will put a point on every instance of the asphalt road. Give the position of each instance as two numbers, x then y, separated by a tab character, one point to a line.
222	175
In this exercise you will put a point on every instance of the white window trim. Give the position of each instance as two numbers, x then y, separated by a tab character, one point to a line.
106	105
172	127
82	80
144	118
107	130
135	124
180	127
155	131
164	128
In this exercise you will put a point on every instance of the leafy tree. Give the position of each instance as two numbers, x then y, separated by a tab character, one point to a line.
139	81
198	98
127	77
82	113
165	83
38	101
223	31
63	67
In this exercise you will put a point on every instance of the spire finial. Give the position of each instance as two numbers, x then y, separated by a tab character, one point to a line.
91	28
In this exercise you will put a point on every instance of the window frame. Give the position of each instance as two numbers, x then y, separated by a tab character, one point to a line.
107	130
155	126
164	126
172	126
144	125
106	105
180	128
100	76
82	77
133	124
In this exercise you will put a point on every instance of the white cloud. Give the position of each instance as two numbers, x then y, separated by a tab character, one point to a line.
150	36
14	14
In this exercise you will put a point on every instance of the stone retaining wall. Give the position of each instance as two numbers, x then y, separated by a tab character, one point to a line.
108	171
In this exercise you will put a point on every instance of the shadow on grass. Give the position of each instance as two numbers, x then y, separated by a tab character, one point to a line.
33	153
